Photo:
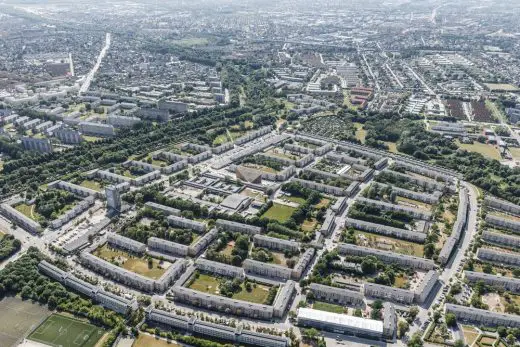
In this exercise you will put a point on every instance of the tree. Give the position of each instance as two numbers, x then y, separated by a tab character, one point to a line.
451	320
415	340
502	331
402	328
459	343
511	339
368	265
414	311
436	316
311	334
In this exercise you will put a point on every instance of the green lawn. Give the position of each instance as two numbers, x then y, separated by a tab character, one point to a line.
209	284
325	306
296	199
91	138
206	284
485	149
360	132
59	330
28	211
91	185
130	262
279	212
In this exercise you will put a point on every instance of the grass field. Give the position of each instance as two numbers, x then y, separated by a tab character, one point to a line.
209	284
17	317
389	244
151	341
486	150
325	306
279	212
296	199
392	147
91	185
323	203
58	330
515	153
130	262
28	211
470	334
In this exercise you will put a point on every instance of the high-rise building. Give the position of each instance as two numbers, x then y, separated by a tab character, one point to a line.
113	198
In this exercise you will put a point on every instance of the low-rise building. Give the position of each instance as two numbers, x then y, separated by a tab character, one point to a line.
340	323
236	227
508	283
508	258
379	291
186	223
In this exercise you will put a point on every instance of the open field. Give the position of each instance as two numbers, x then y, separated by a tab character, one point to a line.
325	306
323	203
470	334
279	212
145	340
486	340
209	284
392	147
131	262
309	224
495	270
58	330
91	185
389	244
18	317
486	150
28	211
296	199
515	153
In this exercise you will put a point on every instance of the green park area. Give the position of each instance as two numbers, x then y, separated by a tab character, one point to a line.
279	212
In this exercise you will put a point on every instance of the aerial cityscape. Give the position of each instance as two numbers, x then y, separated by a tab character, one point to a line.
218	173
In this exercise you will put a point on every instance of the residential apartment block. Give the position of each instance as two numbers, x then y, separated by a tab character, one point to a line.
336	295
275	243
126	243
267	270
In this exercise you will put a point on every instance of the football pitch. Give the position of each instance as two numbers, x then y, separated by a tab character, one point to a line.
59	330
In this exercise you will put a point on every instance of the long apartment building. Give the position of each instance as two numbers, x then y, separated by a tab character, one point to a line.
130	278
19	218
387	256
336	295
267	270
380	229
126	243
379	291
236	335
222	304
219	268
186	223
501	239
236	227
166	210
275	243
503	222
179	250
426	184
385	206
74	189
483	317
458	227
410	194
97	294
508	258
502	205
508	283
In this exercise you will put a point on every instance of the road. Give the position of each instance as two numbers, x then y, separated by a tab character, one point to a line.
455	266
88	79
419	78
